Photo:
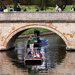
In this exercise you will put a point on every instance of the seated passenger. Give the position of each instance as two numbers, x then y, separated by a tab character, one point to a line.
38	54
30	54
33	53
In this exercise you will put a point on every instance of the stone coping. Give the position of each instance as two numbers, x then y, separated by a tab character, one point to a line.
39	12
41	16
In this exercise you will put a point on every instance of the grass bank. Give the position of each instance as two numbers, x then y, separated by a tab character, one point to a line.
31	31
33	8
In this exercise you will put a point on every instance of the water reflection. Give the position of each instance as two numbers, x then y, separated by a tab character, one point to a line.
32	69
67	67
53	54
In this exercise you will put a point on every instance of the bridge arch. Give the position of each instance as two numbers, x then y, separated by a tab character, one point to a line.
11	38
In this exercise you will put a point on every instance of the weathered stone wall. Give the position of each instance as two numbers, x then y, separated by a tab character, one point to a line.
12	24
38	16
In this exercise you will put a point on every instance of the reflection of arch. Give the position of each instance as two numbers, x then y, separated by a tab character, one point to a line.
9	41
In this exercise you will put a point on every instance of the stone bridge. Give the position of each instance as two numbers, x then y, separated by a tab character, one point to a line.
12	24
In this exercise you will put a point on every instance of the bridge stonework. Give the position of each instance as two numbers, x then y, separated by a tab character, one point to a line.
12	24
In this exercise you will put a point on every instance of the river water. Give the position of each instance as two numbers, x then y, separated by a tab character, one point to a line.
56	60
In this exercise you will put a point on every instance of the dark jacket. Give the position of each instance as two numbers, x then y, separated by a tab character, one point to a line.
1	9
37	32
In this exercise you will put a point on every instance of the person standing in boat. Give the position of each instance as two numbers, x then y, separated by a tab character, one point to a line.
36	32
31	42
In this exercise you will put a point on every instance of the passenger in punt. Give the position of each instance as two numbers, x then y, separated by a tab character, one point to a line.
38	54
30	54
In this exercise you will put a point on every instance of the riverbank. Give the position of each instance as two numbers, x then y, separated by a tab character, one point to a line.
33	8
41	34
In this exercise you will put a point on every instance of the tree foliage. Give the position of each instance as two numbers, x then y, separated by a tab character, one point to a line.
28	2
51	3
41	3
5	2
15	2
47	3
62	3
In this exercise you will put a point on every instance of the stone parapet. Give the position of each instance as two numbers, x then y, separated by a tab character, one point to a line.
41	16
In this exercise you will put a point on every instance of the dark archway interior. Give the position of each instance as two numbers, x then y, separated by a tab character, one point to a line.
11	42
13	39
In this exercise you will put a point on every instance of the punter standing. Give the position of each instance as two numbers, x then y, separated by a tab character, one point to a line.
37	32
31	42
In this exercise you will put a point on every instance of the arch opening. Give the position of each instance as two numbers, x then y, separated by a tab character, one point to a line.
10	40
